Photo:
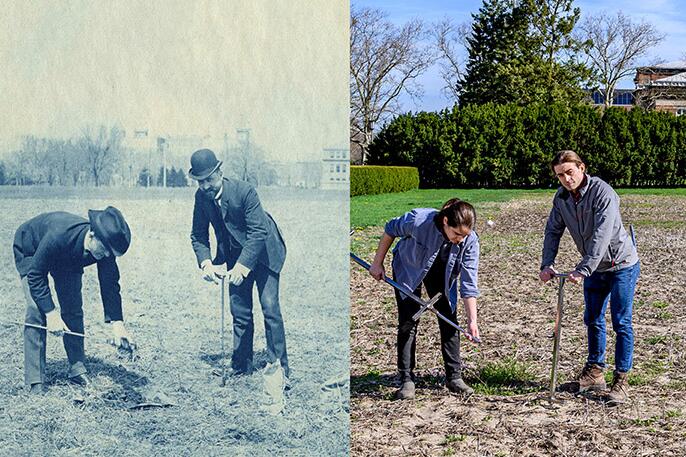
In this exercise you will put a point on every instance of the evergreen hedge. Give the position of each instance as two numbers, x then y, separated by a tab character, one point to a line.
370	180
510	146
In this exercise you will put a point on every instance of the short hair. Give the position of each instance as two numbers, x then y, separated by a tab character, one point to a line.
458	212
565	156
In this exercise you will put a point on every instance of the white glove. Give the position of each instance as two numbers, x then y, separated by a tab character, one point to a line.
120	333
211	272
56	325
237	274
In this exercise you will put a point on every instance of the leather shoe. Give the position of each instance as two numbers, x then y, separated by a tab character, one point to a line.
38	389
80	380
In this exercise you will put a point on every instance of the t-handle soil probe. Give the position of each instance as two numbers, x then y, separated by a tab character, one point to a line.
223	362
557	330
425	305
66	332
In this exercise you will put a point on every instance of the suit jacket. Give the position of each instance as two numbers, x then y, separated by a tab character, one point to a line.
53	243
245	232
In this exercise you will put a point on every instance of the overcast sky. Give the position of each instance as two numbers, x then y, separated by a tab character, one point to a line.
279	68
668	16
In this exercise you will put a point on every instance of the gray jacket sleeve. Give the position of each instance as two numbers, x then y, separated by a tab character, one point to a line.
605	211
554	229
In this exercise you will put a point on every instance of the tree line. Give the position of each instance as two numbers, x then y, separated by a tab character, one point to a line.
510	146
521	52
99	157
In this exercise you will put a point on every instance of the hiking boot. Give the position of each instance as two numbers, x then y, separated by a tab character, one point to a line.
592	378
458	386
619	393
406	391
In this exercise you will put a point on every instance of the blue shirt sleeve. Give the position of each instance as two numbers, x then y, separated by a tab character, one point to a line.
402	226
469	274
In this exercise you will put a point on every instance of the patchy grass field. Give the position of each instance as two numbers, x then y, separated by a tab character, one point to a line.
174	316
510	415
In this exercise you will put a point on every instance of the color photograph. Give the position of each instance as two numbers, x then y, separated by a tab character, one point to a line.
518	210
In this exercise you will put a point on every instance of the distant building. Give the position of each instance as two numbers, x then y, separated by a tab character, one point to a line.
149	150
303	174
662	87
336	168
623	98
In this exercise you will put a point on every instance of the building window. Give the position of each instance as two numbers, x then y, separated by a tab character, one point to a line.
338	168
680	111
598	98
624	98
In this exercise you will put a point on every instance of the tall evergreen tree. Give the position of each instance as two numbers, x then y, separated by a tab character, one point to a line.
493	54
523	52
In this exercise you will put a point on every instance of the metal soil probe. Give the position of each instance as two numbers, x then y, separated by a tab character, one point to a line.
223	362
425	305
557	331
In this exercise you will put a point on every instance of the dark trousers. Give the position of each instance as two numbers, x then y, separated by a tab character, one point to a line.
407	329
243	326
68	289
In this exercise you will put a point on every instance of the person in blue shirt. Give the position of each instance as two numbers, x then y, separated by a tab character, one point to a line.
436	248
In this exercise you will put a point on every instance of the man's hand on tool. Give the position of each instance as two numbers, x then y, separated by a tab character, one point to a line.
575	277
472	331
56	325
211	272
237	274
547	274
120	334
377	271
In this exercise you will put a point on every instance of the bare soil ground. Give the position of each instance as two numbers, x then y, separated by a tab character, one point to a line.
510	414
174	316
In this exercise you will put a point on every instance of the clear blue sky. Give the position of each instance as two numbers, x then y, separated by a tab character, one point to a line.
668	16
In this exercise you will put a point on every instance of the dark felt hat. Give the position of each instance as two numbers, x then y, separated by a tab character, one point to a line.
203	164
110	227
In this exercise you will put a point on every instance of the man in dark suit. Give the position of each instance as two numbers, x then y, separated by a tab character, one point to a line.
250	245
62	244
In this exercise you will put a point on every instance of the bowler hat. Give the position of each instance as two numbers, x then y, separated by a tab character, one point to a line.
111	229
203	164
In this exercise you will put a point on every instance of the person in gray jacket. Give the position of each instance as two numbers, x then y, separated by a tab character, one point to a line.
435	248
609	268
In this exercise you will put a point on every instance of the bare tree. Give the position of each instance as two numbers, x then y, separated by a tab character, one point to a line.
617	45
101	149
451	42
385	60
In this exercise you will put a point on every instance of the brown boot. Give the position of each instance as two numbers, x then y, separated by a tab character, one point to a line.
592	378
620	389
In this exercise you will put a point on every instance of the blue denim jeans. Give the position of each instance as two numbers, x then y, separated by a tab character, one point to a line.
617	287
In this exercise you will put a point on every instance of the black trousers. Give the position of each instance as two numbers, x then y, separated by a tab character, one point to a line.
243	326
68	289
407	329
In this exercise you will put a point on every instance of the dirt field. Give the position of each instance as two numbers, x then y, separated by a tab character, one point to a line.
510	415
174	315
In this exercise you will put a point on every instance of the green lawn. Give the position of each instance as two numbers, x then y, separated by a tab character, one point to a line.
375	210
